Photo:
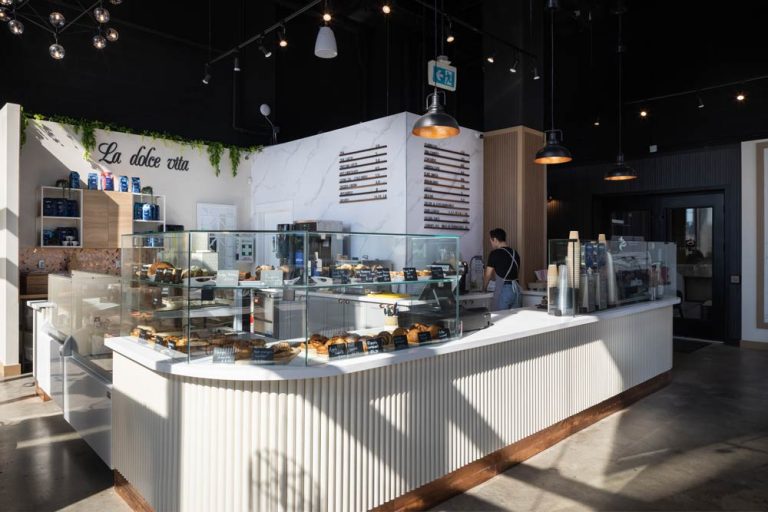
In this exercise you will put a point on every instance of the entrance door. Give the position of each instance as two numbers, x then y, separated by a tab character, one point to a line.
694	222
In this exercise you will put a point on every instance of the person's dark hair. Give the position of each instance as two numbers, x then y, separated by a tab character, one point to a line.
499	234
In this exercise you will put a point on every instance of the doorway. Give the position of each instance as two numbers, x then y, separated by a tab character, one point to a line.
694	222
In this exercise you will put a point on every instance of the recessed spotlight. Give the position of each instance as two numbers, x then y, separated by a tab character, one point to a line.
597	121
282	41
327	16
386	8
701	103
491	59
536	75
740	96
643	113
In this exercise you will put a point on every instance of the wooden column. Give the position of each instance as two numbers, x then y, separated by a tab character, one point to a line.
515	195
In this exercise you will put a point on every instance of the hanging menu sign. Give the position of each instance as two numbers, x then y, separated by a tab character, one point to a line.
363	175
409	274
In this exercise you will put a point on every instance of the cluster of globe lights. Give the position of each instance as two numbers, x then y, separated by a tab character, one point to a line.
57	20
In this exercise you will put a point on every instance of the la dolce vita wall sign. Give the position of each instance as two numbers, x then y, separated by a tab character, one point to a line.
145	156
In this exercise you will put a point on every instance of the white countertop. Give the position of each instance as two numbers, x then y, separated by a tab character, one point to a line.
507	326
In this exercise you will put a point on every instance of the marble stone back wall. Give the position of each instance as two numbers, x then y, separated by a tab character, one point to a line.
105	261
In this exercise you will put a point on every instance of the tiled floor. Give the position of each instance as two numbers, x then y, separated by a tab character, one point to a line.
699	444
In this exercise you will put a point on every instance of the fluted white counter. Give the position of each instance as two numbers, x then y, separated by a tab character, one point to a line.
358	433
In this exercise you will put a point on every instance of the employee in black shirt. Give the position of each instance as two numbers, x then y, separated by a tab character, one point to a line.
503	267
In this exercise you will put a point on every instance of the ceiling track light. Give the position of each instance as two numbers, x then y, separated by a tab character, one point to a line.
491	59
740	96
701	103
207	77
263	49
553	151
515	65
643	113
282	40
596	122
536	75
386	7
236	66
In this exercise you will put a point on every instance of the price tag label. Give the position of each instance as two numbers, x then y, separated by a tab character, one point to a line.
207	293
262	354
375	345
171	345
437	272
400	342
425	337
337	350
355	347
409	274
383	276
443	334
340	276
143	334
366	276
223	354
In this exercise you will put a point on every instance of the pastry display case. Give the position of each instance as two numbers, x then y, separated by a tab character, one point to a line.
584	276
272	297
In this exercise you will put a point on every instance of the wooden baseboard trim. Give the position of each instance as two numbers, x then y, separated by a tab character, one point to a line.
484	469
42	394
10	370
754	345
130	494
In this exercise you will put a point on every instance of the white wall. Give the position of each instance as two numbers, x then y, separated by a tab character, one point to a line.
9	240
304	175
749	330
52	150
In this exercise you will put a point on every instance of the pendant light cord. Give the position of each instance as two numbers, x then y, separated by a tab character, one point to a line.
620	49
552	68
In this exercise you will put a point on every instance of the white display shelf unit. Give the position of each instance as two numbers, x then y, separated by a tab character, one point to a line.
55	221
142	226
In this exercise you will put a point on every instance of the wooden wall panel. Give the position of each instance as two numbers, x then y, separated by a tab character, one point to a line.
514	190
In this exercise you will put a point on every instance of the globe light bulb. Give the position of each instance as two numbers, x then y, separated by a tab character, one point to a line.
112	35
115	2
6	3
327	16
101	14
99	42
56	51
16	27
57	19
4	16
386	8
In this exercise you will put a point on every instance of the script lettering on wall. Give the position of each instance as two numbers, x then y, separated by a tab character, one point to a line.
446	188
363	175
145	156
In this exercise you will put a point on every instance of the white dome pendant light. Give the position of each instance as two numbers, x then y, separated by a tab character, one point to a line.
325	44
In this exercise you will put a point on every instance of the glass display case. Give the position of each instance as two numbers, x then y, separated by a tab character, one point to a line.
276	297
584	276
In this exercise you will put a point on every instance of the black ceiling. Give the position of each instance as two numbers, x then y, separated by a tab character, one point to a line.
150	79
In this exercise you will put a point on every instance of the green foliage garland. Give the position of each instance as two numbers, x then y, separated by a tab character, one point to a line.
86	130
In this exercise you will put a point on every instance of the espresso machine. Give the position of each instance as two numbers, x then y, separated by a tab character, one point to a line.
322	249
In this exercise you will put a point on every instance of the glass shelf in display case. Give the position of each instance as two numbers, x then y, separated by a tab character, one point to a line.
268	297
584	276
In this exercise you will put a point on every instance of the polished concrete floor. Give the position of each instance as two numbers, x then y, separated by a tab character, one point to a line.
44	465
699	444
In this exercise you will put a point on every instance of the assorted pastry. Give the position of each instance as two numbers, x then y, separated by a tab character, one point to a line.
317	344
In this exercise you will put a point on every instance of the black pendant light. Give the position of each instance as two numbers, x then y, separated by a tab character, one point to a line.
436	123
553	152
620	171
